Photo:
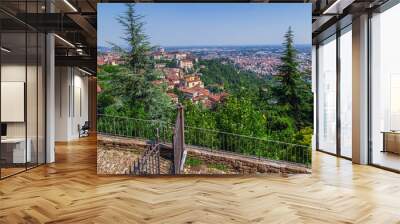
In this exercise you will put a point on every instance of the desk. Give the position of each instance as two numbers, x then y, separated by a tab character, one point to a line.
391	141
13	150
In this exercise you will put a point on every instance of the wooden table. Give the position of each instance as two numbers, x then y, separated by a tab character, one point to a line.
391	141
13	150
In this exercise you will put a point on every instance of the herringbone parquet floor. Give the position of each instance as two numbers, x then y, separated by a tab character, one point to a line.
69	191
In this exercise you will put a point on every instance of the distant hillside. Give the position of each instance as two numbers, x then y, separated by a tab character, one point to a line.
220	72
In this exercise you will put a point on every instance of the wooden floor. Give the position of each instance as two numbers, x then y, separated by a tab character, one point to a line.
386	159
5	172
69	191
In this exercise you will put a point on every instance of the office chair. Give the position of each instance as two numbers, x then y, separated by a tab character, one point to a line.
84	130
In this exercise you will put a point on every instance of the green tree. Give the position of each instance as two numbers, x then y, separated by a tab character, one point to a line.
137	55
198	116
131	86
240	116
291	90
139	95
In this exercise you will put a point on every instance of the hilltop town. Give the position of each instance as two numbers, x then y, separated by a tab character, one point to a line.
179	69
176	70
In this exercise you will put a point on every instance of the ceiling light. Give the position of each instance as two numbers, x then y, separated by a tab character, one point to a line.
337	7
5	50
79	51
65	41
333	6
86	72
70	5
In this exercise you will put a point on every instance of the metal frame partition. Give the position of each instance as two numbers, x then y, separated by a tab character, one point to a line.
40	118
335	30
317	95
380	9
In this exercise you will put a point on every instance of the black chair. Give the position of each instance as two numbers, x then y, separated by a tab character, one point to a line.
84	130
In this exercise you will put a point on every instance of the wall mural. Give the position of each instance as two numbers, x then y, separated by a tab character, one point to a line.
202	88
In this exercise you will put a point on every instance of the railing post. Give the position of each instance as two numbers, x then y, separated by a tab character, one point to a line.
158	136
179	140
114	126
158	162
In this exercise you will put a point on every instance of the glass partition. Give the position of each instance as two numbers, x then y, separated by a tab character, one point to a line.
14	153
346	92
32	97
22	88
327	95
385	89
41	97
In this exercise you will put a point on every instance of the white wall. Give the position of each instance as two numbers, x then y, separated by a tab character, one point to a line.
62	82
80	111
33	126
14	72
71	102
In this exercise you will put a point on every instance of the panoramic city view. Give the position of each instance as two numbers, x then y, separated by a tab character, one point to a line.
193	96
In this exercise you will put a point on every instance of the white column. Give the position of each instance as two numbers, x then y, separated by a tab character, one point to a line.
50	100
63	100
360	90
314	91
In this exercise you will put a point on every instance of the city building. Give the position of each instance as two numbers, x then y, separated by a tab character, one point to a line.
193	80
186	64
174	97
196	93
217	98
173	71
173	80
179	55
109	59
158	55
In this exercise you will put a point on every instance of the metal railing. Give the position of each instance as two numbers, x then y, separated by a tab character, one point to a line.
207	139
148	163
247	145
136	128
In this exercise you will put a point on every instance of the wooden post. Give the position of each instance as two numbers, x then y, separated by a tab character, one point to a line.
179	140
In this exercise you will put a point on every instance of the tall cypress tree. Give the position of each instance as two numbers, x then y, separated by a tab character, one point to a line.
134	93
138	53
291	90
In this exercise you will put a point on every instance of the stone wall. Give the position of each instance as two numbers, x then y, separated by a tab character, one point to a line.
120	142
246	165
116	155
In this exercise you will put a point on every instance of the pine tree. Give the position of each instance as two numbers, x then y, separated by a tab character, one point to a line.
138	53
292	92
135	95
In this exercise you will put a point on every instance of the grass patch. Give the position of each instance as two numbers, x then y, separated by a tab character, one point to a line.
190	161
218	166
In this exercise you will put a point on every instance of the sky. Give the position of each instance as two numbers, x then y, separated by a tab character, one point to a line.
209	24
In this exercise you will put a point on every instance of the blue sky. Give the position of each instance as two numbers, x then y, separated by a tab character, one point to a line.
191	24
